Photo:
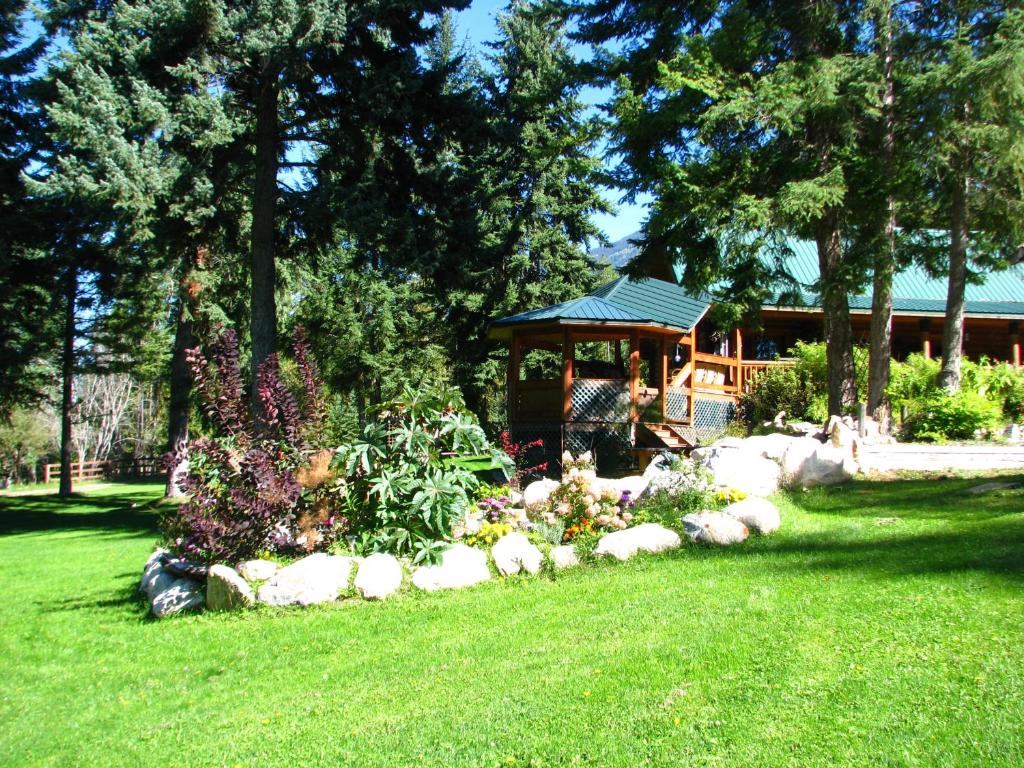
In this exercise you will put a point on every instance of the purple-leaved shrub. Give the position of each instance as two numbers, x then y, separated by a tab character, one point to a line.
264	482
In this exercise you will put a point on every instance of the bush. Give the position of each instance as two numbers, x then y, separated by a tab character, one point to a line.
405	483
774	390
801	389
941	417
263	482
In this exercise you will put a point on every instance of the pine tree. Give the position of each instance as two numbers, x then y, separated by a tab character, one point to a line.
27	330
742	120
530	186
969	97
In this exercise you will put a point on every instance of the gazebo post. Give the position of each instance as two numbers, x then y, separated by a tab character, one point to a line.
634	375
568	359
739	360
663	383
926	342
513	378
693	372
1015	343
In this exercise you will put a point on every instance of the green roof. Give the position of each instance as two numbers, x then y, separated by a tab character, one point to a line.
999	293
626	301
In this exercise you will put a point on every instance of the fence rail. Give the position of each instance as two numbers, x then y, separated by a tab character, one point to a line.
142	466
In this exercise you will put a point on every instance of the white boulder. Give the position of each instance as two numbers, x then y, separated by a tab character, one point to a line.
634	484
538	492
733	465
379	575
258	570
657	465
182	595
226	590
514	552
649	537
841	432
759	515
773	446
564	556
714	528
461	566
318	578
809	463
154	578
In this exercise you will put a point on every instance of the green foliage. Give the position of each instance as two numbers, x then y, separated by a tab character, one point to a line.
941	416
397	486
799	389
24	437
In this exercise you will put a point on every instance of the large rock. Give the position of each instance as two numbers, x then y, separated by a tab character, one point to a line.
649	537
657	465
460	566
182	595
379	576
841	432
773	446
538	492
564	557
258	570
808	463
226	590
759	515
155	578
514	552
318	578
735	465
635	485
714	528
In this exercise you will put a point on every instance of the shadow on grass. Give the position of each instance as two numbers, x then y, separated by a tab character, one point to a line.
124	511
932	498
127	600
908	526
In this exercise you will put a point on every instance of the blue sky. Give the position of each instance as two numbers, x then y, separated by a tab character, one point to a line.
477	24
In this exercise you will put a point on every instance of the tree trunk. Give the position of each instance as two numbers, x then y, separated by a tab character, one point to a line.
67	380
885	261
178	407
842	385
181	376
263	311
953	329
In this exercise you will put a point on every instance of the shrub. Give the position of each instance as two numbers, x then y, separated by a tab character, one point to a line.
688	488
774	390
581	506
941	417
263	481
402	482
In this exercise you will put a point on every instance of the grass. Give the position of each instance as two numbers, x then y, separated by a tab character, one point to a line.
883	626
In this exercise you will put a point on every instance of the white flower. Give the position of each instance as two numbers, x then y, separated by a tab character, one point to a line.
603	519
586	458
627	516
620	523
566	457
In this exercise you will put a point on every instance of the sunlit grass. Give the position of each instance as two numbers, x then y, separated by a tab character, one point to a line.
883	625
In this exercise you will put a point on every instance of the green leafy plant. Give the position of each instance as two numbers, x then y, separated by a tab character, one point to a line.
399	483
941	417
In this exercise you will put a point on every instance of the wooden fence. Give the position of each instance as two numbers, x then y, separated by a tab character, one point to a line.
142	466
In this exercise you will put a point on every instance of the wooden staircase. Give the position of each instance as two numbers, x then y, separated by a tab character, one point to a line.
670	437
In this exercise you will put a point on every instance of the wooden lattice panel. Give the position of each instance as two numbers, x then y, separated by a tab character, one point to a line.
711	417
676	404
599	400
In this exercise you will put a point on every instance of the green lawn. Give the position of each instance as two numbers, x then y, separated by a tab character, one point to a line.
883	625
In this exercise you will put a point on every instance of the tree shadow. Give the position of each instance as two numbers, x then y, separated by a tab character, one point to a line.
127	598
931	498
126	511
962	532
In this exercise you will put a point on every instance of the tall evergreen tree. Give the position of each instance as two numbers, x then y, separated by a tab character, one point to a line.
27	330
969	92
742	120
532	186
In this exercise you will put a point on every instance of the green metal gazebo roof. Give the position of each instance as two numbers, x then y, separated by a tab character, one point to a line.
626	301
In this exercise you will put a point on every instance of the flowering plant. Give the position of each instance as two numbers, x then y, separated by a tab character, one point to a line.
519	453
729	495
488	533
582	504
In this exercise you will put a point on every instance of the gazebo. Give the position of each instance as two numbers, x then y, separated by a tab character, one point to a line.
678	383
